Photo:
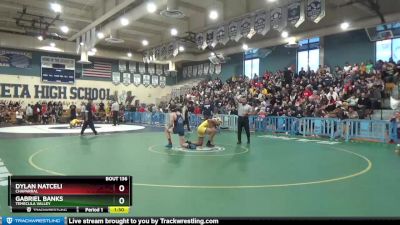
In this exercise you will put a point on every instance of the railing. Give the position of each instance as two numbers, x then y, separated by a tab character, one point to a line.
372	130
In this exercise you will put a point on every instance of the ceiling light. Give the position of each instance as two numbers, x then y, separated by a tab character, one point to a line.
129	54
94	50
100	35
145	43
174	32
181	48
52	44
55	7
213	14
40	38
245	47
285	34
212	54
151	7
344	25
82	44
124	21
64	29
271	0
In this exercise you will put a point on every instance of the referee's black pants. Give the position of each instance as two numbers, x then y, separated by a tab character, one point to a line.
243	122
115	118
90	124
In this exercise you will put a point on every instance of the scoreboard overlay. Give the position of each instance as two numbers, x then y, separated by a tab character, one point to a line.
88	194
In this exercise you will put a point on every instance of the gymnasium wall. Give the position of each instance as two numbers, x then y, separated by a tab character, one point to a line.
352	47
31	77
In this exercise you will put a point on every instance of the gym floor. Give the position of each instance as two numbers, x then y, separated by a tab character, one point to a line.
273	177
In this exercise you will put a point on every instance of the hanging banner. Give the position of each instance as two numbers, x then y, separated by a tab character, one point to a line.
151	69
233	31
116	78
159	70
211	39
132	67
221	36
154	81
163	81
296	15
200	41
200	70
137	79
218	69
142	68
185	72
206	68
17	59
262	23
122	65
278	19
190	71
194	71
126	79
146	80
245	26
316	10
166	70
212	69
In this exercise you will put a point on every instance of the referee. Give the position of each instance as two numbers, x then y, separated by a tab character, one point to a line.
244	110
88	118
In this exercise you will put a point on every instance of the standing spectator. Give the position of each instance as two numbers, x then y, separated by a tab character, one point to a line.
207	109
29	113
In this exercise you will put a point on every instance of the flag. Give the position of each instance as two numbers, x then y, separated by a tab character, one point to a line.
98	69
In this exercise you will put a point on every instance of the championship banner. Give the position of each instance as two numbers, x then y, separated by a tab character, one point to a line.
185	72
132	67
278	19
57	70
122	65
316	10
137	79
154	81
206	68
142	68
218	69
159	70
146	80
212	69
262	23
221	36
17	59
151	68
200	70
166	70
233	31
211	39
194	71
245	26
190	71
126	79
200	41
296	15
163	81
116	78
